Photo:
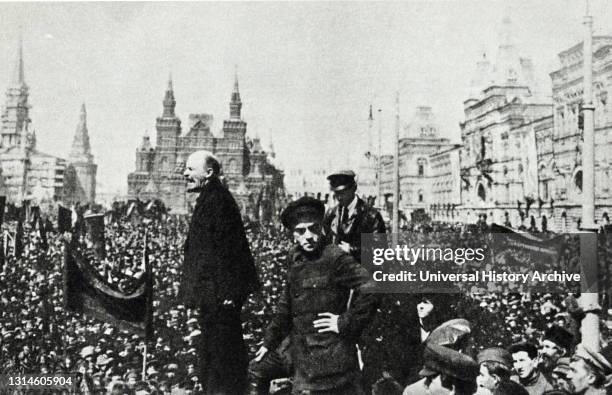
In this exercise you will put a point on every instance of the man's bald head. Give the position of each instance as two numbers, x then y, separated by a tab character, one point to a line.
200	166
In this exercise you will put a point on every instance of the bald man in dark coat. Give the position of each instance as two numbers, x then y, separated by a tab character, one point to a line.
218	275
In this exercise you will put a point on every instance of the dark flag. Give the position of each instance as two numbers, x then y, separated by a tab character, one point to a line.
86	292
2	204
544	250
25	211
18	241
94	235
34	216
64	219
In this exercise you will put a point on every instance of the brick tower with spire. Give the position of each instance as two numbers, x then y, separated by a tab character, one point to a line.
247	173
16	114
82	161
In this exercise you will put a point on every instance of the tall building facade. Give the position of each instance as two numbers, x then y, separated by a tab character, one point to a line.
503	114
428	169
560	156
28	173
247	168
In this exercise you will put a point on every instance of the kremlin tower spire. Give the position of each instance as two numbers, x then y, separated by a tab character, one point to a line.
15	116
18	79
169	101
81	161
81	149
235	103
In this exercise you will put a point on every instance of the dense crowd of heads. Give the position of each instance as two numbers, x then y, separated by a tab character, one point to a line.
37	335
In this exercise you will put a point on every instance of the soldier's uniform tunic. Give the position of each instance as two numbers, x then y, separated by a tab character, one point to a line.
323	362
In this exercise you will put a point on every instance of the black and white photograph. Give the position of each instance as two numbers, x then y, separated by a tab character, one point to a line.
306	198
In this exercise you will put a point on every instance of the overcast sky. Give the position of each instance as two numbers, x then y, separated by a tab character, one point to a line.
307	71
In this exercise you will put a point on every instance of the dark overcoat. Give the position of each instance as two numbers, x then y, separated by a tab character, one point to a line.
218	263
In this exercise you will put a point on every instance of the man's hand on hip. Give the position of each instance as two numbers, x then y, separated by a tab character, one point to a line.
260	353
344	246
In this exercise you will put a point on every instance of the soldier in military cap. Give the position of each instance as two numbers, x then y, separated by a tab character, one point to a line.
351	217
588	371
495	369
456	372
313	310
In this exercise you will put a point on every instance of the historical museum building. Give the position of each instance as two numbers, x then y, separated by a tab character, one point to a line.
247	169
29	174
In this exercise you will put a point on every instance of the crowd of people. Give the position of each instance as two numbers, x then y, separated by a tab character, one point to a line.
38	336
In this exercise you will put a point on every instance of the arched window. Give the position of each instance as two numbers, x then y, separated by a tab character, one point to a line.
421	198
578	180
482	193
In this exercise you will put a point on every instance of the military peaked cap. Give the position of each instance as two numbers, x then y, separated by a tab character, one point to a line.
341	179
443	360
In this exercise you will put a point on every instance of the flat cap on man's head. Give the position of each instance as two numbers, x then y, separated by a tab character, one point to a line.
305	208
560	336
495	354
451	333
562	367
341	179
594	359
443	360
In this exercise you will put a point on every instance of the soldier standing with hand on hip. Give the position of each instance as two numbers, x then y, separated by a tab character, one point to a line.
313	310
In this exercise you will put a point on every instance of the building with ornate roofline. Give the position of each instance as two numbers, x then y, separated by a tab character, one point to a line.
247	168
29	174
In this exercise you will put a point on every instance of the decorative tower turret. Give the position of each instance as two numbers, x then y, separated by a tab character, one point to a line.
15	117
82	161
235	103
234	130
168	132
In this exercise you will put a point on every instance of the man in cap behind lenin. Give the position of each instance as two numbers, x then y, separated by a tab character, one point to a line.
312	309
495	370
457	372
351	217
590	371
218	274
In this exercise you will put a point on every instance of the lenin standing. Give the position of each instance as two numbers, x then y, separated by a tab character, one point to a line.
218	275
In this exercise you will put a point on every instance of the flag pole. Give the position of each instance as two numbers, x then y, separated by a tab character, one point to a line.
396	178
588	242
379	200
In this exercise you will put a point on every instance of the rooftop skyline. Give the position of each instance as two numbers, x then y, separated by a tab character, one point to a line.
308	72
